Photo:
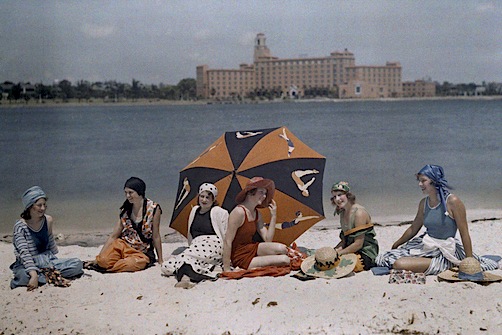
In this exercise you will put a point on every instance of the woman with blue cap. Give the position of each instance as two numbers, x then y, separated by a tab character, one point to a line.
35	247
442	214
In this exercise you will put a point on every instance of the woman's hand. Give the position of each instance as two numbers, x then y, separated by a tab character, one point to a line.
273	208
33	283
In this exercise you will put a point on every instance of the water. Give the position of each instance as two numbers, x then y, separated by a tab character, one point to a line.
81	156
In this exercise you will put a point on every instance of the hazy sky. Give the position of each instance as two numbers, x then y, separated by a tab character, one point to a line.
163	41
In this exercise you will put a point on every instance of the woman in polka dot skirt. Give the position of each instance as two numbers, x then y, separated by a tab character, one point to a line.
202	260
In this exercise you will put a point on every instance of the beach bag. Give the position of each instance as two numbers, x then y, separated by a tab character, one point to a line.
406	277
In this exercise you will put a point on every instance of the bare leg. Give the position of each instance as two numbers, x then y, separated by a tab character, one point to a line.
274	260
414	264
270	253
271	248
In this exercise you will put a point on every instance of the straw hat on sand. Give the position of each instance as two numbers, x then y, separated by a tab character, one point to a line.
327	264
469	269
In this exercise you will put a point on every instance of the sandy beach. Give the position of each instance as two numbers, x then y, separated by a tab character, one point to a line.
147	303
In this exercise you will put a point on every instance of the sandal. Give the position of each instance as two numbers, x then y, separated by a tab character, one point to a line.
91	265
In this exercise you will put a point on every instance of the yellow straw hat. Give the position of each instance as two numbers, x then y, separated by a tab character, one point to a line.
327	264
469	269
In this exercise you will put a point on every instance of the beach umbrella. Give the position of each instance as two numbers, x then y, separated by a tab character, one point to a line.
236	157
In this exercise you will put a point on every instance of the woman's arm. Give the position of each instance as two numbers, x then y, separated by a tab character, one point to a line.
268	233
219	221
157	241
117	231
22	248
354	247
235	220
52	243
457	209
415	227
340	246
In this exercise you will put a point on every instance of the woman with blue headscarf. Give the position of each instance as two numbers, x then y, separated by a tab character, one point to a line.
35	248
442	214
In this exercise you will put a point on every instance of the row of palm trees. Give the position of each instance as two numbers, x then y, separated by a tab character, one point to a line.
84	90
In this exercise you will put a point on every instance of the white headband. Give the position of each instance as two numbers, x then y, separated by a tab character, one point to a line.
210	188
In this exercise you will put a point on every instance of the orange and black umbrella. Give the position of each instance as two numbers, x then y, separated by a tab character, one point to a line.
236	157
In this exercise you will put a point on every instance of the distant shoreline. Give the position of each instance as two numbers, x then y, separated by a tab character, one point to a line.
158	102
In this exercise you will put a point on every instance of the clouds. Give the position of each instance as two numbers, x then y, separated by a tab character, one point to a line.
164	41
246	39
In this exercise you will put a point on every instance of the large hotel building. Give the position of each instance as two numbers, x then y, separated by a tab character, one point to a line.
336	74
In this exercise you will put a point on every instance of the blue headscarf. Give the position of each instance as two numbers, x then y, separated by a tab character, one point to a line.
436	174
31	196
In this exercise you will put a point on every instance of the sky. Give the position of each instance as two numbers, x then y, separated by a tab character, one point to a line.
163	41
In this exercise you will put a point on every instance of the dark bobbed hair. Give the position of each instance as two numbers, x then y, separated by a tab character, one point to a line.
26	213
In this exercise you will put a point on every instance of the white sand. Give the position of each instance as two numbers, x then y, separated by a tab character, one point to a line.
147	303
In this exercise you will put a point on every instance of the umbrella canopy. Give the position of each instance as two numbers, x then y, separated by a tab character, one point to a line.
236	157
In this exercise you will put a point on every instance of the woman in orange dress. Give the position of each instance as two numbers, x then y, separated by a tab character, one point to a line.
239	249
136	237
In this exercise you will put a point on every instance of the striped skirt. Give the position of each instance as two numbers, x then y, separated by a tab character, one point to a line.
439	263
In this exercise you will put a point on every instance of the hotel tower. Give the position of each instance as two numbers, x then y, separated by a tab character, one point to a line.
336	75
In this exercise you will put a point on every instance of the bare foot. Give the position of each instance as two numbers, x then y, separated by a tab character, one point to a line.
186	284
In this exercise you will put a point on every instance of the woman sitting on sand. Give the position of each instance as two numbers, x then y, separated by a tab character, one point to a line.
131	245
244	221
34	245
357	233
442	214
202	259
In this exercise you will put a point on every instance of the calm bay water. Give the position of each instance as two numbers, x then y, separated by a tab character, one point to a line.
81	156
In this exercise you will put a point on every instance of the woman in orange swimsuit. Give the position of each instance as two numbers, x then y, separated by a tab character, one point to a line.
244	221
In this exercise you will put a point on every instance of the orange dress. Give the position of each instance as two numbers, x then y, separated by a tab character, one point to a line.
244	249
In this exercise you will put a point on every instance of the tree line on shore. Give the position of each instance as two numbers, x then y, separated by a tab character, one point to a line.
113	91
85	91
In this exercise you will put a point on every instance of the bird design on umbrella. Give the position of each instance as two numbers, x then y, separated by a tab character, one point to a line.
274	153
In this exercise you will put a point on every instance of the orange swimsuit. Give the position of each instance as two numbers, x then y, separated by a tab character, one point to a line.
244	249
